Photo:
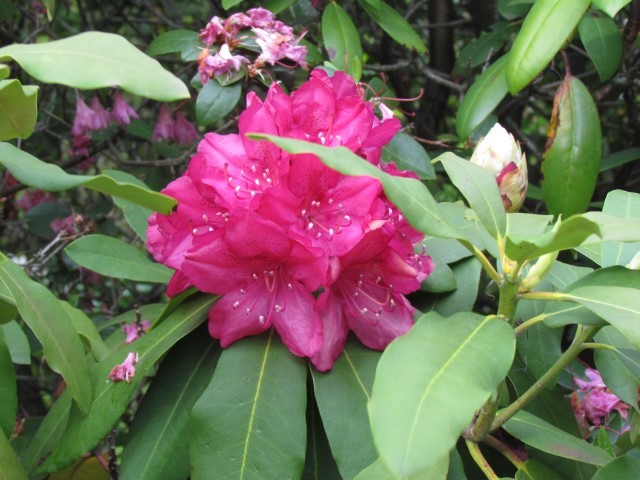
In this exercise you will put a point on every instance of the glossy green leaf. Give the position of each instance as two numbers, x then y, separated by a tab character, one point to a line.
467	275
342	395
571	159
319	463
227	4
50	323
215	101
238	426
97	60
183	41
614	228
611	7
480	189
8	389
115	258
28	170
534	470
157	446
562	275
379	471
441	279
619	158
408	194
277	6
547	26
602	41
541	346
479	50
408	154
619	306
625	205
111	399
511	9
486	93
566	234
10	466
87	331
18	109
17	342
135	214
394	24
8	310
5	71
341	40
430	382
622	468
620	368
550	439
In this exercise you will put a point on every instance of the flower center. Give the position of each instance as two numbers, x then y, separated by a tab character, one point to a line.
324	219
247	183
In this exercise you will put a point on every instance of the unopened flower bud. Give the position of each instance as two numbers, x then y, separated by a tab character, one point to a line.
539	270
499	153
634	264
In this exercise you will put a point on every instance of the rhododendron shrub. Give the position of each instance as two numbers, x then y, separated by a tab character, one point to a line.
287	241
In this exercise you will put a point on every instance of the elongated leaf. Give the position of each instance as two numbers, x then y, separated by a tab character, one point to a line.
215	101
379	471
341	40
135	215
480	189
111	399
626	466
547	26
18	109
430	382
467	276
29	170
571	159
408	194
482	98
50	323
408	154
8	389
114	258
157	447
239	428
87	331
5	71
614	228
562	275
550	439
342	395
620	368
441	279
97	60
479	51
394	24
10	467
319	463
621	157
183	41
17	342
625	205
540	345
611	7
603	42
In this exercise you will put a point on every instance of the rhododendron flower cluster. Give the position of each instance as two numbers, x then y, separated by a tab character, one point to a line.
169	129
597	402
276	41
286	241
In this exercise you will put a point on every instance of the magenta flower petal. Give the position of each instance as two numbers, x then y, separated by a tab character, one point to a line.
184	132
83	120
125	371
334	331
164	129
100	118
122	112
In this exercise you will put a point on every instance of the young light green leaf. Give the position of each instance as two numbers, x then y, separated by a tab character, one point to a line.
627	206
17	342
550	439
237	426
18	105
611	7
115	258
87	331
394	24
97	60
480	189
29	170
571	159
431	381
341	40
623	467
8	389
379	471
603	42
482	98
342	395
546	28
408	154
5	71
157	446
51	325
10	466
215	101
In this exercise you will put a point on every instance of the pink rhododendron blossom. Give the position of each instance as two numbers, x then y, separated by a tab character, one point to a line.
164	129
133	331
184	132
32	197
101	117
288	242
122	112
84	120
126	370
221	63
597	402
68	225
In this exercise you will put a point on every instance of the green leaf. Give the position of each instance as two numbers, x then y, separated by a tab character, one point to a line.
10	467
548	25
479	51
87	331
441	279
467	275
534	470
408	194
18	109
408	154
17	342
183	41
625	205
29	170
431	381
111	399
611	7
602	441
135	215
511	9
51	325
619	158
227	4
540	346
550	439
621	468
480	189
602	41
566	234
8	389
379	471
157	446
620	368
394	24
50	5
342	395
341	40
277	6
97	60
619	306
562	275
239	428
115	258
5	71
486	93
571	159
319	463
215	101
614	228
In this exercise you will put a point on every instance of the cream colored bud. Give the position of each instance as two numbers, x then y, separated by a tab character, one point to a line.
538	270
634	264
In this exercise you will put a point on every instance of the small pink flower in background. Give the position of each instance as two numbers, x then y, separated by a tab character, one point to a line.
126	371
32	197
84	118
165	126
597	402
122	112
132	331
222	63
69	225
101	117
184	132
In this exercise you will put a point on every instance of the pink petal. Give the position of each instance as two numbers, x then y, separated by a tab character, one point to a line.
334	331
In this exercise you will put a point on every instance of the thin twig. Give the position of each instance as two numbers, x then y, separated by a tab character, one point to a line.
437	77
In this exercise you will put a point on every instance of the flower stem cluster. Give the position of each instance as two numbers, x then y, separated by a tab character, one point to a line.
288	242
